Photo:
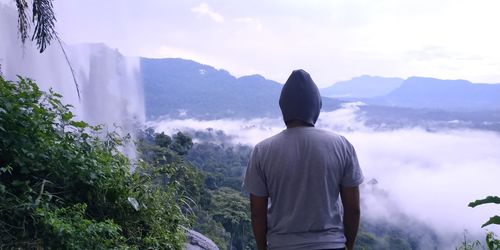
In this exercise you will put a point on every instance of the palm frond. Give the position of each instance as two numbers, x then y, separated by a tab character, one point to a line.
44	20
22	23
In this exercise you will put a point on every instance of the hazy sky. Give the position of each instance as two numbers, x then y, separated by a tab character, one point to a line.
333	40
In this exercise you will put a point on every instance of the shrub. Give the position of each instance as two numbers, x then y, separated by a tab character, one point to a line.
65	185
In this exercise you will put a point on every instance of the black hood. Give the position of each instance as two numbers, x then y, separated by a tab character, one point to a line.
300	98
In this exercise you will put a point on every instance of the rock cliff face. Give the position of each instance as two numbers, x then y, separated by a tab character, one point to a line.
197	241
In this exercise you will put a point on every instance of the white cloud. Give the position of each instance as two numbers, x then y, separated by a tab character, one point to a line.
248	132
172	52
204	10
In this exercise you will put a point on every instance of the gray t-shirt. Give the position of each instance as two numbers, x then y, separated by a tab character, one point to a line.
301	170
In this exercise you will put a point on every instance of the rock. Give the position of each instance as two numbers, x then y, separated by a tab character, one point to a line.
197	241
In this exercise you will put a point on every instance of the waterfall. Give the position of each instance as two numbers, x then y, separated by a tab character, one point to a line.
109	83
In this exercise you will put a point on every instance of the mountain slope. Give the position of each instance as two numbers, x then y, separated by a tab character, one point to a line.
362	87
184	88
420	92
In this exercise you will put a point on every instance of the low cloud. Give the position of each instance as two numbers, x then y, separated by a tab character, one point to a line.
248	132
428	176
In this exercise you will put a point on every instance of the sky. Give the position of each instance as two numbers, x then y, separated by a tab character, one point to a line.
334	40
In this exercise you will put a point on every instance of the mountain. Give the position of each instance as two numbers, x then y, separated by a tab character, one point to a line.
362	87
390	118
184	88
454	95
178	88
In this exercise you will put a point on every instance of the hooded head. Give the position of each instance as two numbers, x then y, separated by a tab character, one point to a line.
300	98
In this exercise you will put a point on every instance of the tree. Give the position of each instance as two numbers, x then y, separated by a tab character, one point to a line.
233	212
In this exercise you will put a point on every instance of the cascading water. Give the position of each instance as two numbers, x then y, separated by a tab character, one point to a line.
109	83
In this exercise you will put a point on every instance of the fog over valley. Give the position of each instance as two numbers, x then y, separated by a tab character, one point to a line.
429	176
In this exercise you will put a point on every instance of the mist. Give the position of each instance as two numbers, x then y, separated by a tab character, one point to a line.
427	176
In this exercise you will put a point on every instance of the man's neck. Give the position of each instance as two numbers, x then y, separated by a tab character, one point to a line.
297	123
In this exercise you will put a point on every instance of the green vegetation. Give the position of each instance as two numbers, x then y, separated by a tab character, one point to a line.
65	185
222	165
491	241
211	176
407	233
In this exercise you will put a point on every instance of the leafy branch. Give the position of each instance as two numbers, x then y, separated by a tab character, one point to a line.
491	242
489	199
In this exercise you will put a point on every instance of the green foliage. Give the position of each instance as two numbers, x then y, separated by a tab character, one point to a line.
492	220
233	211
68	228
365	240
204	172
369	241
170	167
182	143
406	234
223	165
212	229
467	244
64	184
489	199
164	152
491	242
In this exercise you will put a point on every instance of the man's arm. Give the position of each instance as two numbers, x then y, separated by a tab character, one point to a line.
352	211
258	208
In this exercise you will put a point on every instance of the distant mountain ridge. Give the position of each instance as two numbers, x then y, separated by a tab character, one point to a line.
178	88
423	92
418	92
364	86
184	89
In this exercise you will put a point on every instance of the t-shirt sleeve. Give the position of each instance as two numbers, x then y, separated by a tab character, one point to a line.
255	179
352	175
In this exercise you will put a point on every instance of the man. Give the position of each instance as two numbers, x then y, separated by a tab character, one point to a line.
295	178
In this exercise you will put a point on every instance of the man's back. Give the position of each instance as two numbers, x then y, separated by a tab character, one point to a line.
294	178
301	170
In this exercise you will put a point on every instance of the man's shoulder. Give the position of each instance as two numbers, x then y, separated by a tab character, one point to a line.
270	140
324	135
327	133
297	134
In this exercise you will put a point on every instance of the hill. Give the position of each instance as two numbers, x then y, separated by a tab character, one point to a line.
455	95
362	87
178	88
184	88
